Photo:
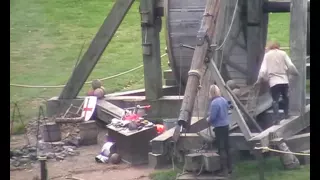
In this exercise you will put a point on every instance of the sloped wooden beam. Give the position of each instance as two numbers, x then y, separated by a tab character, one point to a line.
286	129
96	49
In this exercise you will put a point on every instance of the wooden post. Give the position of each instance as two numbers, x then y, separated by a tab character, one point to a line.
255	44
96	49
298	52
151	27
43	168
204	38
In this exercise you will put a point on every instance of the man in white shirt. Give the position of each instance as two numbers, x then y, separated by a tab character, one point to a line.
275	69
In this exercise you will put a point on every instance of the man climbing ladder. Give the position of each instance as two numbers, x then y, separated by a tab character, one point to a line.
275	68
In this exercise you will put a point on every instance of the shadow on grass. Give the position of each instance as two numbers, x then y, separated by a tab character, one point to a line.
248	170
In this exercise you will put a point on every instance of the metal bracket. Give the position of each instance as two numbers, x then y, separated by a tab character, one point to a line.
201	37
145	18
146	47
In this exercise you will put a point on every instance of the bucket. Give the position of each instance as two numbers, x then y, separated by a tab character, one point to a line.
51	132
88	133
169	123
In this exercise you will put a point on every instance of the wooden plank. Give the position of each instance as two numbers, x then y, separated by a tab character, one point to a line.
168	74
175	4
170	82
96	49
151	42
298	52
286	129
298	143
106	111
255	46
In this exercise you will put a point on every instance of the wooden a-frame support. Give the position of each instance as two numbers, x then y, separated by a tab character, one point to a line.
150	36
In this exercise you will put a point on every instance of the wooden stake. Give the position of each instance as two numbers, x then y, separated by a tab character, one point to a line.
43	168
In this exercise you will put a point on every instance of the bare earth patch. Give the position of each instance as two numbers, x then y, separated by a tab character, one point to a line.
82	167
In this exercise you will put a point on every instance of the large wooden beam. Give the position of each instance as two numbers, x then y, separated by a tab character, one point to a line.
204	38
255	40
96	49
279	7
286	129
151	26
298	52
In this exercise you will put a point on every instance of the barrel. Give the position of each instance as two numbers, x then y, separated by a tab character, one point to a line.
51	132
88	133
169	123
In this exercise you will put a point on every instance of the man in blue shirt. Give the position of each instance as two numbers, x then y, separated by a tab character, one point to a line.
218	118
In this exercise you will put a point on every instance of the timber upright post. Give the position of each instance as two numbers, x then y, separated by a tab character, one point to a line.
255	37
151	26
298	52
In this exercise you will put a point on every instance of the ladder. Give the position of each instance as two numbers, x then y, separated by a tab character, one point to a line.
252	101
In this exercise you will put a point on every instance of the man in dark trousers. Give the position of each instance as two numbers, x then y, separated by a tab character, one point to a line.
275	69
218	118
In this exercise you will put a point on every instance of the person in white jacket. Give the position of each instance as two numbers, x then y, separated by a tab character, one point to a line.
275	69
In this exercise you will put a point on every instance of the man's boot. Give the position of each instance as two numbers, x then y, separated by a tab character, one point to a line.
275	108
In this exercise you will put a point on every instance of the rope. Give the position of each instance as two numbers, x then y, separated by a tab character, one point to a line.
89	82
283	152
230	27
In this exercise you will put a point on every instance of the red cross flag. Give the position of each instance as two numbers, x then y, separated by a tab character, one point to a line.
88	107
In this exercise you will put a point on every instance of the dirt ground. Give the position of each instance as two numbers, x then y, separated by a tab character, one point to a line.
82	167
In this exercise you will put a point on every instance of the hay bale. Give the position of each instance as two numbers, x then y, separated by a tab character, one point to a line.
99	93
232	84
96	84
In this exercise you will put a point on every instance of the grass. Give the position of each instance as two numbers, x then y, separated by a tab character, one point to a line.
46	38
248	170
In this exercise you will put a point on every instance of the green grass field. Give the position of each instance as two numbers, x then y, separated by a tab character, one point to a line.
46	38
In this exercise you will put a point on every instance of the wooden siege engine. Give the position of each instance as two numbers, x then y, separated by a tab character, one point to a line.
233	51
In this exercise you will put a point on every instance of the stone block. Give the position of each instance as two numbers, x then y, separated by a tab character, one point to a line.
157	161
211	161
193	162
